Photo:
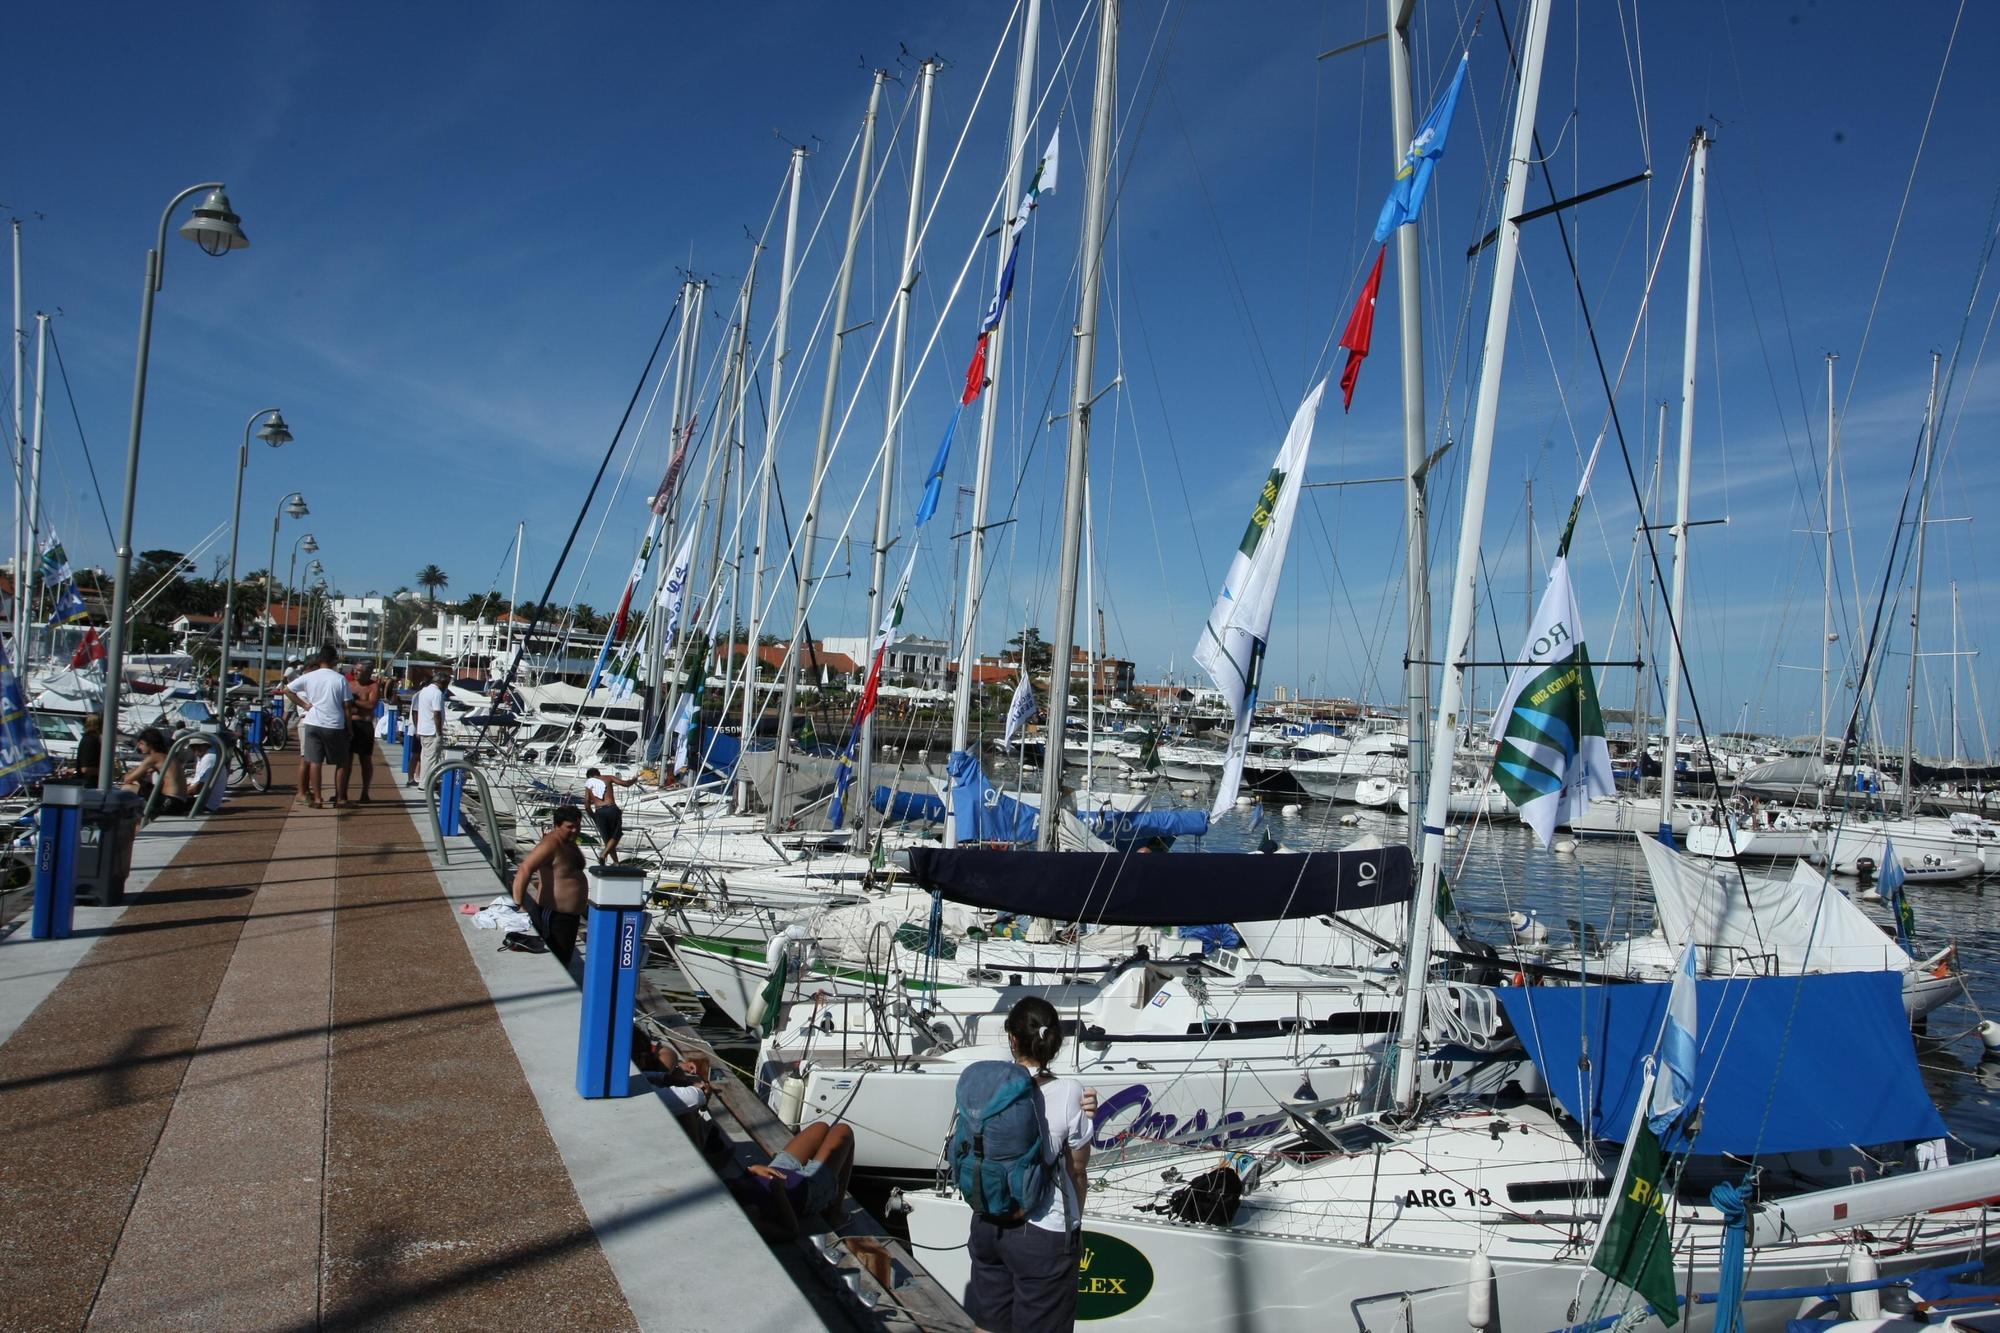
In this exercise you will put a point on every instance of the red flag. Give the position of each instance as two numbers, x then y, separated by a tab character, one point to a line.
1360	332
89	651
975	374
866	707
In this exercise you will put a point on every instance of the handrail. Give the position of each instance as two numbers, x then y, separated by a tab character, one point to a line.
213	737
496	855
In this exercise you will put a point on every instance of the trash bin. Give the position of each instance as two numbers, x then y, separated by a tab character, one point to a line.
104	851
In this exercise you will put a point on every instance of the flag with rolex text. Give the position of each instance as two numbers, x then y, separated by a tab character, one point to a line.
1550	757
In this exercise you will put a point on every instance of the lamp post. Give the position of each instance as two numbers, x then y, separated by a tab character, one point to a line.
295	505
214	227
275	433
313	569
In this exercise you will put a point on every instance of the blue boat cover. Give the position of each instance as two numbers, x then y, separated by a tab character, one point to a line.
1166	889
718	751
1786	1064
1120	828
984	812
903	807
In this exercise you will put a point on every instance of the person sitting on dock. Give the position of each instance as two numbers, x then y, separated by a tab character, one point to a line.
806	1179
559	902
602	804
153	766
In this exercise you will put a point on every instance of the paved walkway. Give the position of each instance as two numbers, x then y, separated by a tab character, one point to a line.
275	1094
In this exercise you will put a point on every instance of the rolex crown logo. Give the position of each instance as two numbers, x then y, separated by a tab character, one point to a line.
1083	1264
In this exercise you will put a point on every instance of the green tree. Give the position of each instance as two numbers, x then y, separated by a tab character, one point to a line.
430	578
1030	645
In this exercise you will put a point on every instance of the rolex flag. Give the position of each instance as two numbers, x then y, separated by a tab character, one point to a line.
1021	711
1231	649
1551	758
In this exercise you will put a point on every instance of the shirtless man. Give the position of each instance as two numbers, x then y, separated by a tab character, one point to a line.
560	900
361	725
602	803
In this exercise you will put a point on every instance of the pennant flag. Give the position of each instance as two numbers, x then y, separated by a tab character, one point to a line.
934	479
1231	649
623	616
864	708
1021	711
673	591
89	652
1637	1248
663	499
1890	881
1673	1084
22	758
1551	759
686	721
1043	182
1413	182
69	608
1360	332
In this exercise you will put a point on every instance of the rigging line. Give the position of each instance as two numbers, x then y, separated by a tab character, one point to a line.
1909	187
638	388
78	418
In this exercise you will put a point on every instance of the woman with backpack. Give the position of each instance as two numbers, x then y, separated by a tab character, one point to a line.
1024	1158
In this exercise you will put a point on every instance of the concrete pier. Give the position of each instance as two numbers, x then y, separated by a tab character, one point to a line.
288	1086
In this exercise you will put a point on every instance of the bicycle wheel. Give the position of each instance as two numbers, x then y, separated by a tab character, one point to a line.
277	735
248	767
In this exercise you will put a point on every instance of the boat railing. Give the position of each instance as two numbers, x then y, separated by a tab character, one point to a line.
494	851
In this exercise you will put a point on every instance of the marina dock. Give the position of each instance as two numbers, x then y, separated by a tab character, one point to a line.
289	1085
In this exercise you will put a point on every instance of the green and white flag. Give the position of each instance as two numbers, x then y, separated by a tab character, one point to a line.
1637	1248
1231	649
1550	756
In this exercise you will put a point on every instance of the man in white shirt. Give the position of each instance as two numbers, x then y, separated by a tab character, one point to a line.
429	722
321	696
203	766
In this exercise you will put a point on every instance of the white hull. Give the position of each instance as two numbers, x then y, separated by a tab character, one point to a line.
1915	841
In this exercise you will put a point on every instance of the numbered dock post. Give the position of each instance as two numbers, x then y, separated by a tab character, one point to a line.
409	752
451	785
610	980
55	863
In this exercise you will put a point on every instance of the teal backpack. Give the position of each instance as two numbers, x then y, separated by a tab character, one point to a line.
997	1153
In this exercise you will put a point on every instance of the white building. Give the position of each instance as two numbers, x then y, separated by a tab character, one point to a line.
455	638
914	661
356	622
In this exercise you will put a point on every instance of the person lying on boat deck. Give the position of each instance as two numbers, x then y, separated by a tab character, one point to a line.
153	767
599	799
558	904
682	1080
804	1182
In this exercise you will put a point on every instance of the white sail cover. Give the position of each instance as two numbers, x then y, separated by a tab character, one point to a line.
1804	922
1551	759
1231	649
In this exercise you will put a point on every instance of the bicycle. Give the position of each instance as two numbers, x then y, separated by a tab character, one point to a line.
244	764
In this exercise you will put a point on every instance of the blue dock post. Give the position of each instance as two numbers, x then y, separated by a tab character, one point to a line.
610	980
451	784
409	752
55	863
253	727
395	730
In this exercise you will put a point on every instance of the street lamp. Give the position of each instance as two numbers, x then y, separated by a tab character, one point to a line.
275	433
313	569
214	227
295	505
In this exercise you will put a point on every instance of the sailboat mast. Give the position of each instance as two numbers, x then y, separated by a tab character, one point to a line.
1697	234
1953	752
740	445
1643	602
1416	518
864	171
1917	601
686	348
989	410
899	356
1479	466
1082	394
19	448
30	612
767	466
1826	589
514	585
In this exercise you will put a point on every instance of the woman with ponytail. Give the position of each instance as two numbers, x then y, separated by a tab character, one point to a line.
1024	1271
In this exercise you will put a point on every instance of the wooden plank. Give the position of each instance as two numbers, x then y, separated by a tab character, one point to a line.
921	1298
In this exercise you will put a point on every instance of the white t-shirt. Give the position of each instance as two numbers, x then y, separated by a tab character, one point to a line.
596	787
1069	1127
326	693
217	794
430	702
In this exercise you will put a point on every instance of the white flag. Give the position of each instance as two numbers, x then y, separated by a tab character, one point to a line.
1551	758
1021	711
673	592
1231	649
683	725
1041	183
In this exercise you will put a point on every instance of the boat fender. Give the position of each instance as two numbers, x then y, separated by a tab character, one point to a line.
1861	1267
791	1100
1290	809
1564	846
1479	1291
774	957
1989	1034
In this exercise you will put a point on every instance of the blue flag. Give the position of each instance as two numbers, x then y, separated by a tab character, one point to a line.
22	758
934	485
1413	182
1891	877
1673	1084
844	775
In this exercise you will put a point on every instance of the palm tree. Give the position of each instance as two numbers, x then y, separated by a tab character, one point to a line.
430	578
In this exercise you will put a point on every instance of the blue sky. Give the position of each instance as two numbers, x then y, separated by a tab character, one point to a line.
469	222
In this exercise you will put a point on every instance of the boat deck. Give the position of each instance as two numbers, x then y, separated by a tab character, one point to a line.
289	1086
